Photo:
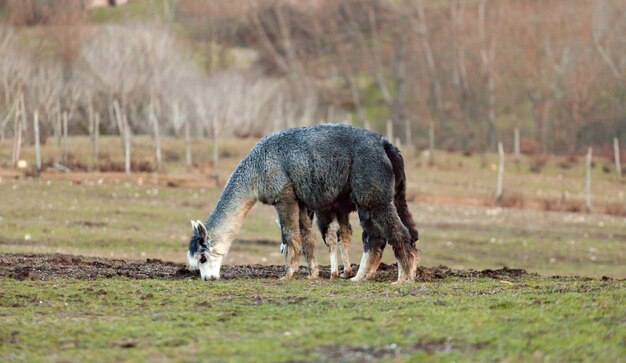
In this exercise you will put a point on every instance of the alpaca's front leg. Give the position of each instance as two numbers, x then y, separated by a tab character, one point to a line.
289	215
308	241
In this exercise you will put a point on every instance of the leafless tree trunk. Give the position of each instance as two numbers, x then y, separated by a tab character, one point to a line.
588	180
398	110
421	29
618	164
37	145
7	118
487	55
500	186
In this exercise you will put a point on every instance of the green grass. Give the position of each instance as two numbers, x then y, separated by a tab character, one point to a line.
532	319
268	320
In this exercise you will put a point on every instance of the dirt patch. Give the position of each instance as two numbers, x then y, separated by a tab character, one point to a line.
375	353
46	266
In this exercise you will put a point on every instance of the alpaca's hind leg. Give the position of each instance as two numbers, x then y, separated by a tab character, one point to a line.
345	237
383	223
328	226
402	242
331	241
308	241
372	255
289	215
373	246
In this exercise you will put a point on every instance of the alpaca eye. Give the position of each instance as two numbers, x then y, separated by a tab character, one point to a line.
202	259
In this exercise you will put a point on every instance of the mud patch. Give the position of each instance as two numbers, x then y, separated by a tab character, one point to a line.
373	353
46	266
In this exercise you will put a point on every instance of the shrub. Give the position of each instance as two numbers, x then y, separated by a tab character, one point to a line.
615	209
537	163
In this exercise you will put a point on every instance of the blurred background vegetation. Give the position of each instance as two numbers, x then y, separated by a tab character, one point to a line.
470	70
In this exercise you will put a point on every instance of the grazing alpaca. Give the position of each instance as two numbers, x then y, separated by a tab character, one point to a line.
311	168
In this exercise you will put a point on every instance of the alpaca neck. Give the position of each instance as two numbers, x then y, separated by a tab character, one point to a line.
234	203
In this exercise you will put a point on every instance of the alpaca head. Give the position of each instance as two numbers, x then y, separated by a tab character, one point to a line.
200	254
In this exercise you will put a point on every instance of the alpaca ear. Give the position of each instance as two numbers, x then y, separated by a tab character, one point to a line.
194	226
201	230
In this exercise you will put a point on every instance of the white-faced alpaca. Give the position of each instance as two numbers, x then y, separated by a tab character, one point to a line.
311	168
337	234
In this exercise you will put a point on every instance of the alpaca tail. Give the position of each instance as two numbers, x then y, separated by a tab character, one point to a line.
397	163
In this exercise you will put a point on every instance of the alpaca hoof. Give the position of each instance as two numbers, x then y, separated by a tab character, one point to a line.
356	279
286	277
400	282
370	276
347	274
334	275
312	277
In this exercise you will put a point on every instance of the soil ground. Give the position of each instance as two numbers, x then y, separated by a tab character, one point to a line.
45	267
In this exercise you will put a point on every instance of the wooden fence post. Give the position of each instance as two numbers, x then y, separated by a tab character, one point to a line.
618	164
37	145
517	148
64	139
94	141
500	181
389	131
431	144
17	137
407	132
588	180
157	138
188	155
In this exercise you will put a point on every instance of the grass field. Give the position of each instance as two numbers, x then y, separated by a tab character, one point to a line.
522	318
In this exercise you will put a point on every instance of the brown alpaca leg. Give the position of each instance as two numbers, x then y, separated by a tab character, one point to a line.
289	215
308	242
345	237
331	240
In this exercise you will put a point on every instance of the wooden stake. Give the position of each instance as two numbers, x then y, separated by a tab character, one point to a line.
407	132
215	151
157	138
37	145
618	164
94	141
64	139
500	182
517	148
588	180
188	156
431	144
17	137
389	131
127	165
